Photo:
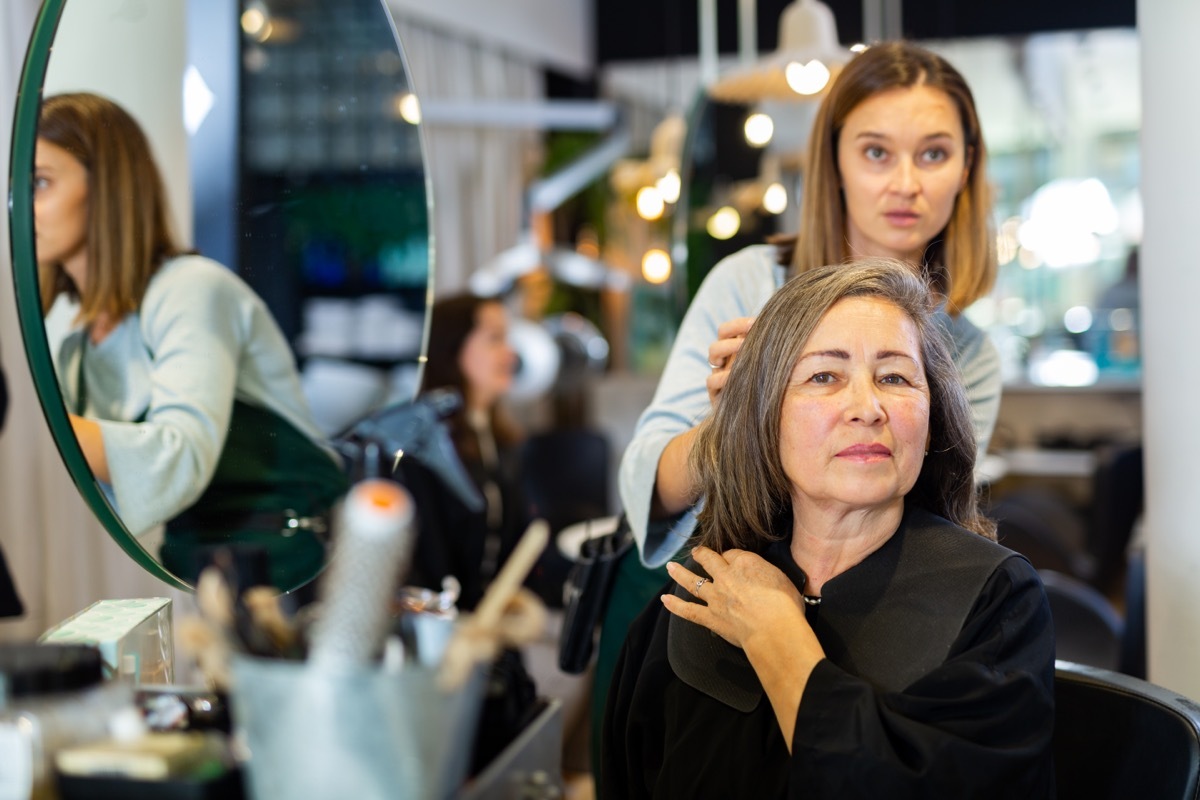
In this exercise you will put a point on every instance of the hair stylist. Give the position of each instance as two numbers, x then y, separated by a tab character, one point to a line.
896	167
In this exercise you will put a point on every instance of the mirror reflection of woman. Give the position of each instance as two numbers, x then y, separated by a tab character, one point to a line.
181	389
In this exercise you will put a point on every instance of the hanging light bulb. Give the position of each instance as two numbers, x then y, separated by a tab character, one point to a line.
408	108
724	223
775	199
669	185
656	266
807	79
650	203
759	128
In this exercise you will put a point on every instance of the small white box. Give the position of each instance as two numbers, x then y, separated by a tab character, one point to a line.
134	637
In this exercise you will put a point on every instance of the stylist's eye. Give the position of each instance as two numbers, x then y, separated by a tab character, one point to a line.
935	155
874	152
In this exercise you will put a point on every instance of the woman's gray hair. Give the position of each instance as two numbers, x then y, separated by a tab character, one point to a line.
736	454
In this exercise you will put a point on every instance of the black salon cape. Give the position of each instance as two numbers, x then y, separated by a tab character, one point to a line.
977	723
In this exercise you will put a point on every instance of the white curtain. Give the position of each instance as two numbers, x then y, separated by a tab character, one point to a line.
61	558
478	174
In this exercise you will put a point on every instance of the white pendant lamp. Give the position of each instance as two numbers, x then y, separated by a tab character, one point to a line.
802	66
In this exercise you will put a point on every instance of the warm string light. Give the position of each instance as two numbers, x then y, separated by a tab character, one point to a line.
656	266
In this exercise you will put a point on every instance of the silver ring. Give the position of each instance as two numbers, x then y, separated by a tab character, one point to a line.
699	583
715	366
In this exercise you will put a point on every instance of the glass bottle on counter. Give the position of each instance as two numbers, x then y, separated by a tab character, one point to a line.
51	696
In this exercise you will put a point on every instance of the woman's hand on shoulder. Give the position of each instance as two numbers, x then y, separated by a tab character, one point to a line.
730	335
746	595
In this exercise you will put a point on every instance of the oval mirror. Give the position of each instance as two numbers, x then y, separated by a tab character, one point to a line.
295	303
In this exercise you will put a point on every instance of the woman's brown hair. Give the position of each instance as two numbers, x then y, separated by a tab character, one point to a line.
452	321
960	262
128	230
736	455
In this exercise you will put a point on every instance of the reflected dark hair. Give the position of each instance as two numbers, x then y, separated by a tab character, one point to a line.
129	230
736	453
451	321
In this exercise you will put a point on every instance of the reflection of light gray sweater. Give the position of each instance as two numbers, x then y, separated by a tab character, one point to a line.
162	384
739	286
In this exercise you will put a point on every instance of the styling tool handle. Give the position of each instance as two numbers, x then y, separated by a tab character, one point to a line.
506	615
372	548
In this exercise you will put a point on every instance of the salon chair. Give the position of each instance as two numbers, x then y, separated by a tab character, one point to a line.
564	480
1118	736
1087	629
1117	500
564	475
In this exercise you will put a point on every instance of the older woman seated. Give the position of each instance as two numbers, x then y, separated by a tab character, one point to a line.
846	626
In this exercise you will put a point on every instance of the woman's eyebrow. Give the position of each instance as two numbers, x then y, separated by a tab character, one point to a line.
828	353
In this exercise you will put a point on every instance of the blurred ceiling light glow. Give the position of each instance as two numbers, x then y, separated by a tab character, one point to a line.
1028	259
859	48
650	204
759	129
1065	218
1077	319
724	223
254	21
1064	368
669	185
409	108
807	79
775	199
656	266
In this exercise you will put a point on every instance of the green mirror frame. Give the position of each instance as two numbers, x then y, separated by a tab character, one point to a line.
24	259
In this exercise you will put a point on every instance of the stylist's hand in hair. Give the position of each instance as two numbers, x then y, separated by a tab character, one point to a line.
721	353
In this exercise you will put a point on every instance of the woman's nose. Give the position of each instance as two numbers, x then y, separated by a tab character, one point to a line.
864	404
904	178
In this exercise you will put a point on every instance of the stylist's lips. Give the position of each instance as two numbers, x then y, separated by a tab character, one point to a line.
865	452
902	219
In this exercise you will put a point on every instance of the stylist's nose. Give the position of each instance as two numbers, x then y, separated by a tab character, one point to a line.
862	402
904	178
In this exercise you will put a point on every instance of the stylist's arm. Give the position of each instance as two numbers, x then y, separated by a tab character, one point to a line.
91	442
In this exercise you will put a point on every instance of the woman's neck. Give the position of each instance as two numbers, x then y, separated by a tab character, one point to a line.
100	327
827	542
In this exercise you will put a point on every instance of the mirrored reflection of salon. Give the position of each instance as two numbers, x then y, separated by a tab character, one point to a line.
181	389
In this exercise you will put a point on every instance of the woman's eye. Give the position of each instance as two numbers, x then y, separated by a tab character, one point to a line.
822	378
895	379
935	155
874	152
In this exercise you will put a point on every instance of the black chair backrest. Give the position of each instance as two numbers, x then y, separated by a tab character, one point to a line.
564	475
1087	629
1118	736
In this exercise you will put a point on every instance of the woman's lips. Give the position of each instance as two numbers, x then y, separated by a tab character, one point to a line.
865	451
902	219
